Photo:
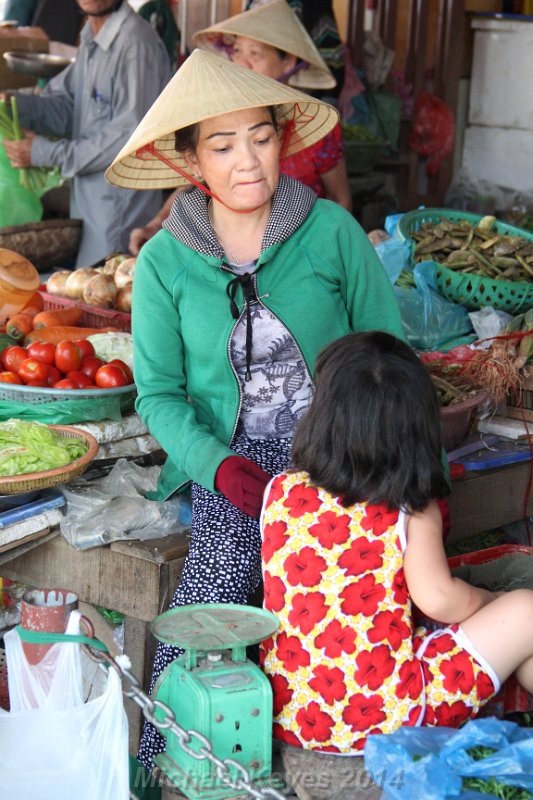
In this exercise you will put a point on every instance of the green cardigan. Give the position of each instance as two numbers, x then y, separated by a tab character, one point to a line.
323	282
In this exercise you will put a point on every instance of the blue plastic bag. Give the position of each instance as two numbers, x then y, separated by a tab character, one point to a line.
430	321
443	760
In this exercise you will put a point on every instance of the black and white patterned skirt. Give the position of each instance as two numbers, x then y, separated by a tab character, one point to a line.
224	560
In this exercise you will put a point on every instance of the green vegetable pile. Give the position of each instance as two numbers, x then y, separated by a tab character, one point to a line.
31	178
492	786
27	447
359	133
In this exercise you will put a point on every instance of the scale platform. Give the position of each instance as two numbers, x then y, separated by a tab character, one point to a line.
216	626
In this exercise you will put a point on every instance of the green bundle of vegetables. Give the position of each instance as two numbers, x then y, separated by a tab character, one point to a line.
34	447
491	786
31	178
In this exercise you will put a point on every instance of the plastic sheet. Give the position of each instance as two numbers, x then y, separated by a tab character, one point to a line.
68	412
115	507
443	760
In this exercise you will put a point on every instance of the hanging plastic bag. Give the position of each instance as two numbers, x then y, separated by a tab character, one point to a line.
64	748
444	759
17	205
433	131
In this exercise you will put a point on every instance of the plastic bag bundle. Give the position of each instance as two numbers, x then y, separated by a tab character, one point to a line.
53	746
432	762
115	507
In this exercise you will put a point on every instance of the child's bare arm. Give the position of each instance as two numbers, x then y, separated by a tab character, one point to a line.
430	583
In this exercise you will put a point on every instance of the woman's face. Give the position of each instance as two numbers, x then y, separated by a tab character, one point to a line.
261	58
237	156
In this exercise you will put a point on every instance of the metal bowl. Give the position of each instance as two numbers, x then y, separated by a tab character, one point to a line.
39	65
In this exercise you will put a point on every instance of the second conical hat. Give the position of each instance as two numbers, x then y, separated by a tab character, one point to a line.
207	86
277	25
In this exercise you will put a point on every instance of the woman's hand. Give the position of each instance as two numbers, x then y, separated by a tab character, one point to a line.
140	236
243	482
19	153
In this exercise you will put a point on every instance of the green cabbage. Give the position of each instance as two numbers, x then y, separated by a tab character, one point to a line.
34	447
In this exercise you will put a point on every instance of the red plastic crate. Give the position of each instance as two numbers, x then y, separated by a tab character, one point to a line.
92	317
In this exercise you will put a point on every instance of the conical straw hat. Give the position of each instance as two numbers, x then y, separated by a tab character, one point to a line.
207	86
275	24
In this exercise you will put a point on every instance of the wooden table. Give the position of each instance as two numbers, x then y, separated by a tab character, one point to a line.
139	578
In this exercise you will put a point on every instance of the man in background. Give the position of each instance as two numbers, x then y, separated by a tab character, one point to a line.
89	111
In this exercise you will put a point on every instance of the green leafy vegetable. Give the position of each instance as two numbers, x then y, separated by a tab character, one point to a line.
33	447
490	785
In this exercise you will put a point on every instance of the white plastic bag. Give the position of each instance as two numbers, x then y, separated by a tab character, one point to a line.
64	749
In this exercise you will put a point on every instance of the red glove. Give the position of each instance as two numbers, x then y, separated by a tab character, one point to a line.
243	482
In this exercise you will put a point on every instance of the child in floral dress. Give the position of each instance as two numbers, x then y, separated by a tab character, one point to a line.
351	540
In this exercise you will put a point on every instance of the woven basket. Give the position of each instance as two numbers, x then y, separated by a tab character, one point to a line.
472	291
35	395
361	157
51	477
46	244
92	316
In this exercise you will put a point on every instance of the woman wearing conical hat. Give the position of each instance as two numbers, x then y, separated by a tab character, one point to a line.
249	278
271	41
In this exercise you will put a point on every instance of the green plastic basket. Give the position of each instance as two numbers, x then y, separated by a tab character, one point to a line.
472	291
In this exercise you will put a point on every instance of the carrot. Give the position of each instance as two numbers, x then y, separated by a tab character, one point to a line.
56	317
61	332
19	325
35	301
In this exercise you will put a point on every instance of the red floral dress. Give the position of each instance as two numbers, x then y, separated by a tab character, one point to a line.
346	660
308	165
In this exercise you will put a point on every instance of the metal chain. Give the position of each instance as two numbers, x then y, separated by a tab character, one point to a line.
242	782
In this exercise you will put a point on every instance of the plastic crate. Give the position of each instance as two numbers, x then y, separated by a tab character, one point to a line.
92	316
472	291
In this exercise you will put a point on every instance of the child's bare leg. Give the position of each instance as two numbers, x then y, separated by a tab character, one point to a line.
502	632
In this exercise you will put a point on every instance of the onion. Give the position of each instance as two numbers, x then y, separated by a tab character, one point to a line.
56	282
123	301
111	263
124	272
100	291
77	281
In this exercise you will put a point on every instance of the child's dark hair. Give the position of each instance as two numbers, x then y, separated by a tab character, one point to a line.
372	432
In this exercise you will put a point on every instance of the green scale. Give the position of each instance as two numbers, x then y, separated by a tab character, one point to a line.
215	690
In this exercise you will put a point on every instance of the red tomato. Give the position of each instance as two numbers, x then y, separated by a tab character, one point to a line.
110	376
65	383
9	377
117	362
81	380
37	383
68	356
33	370
90	366
85	346
43	351
12	357
54	376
